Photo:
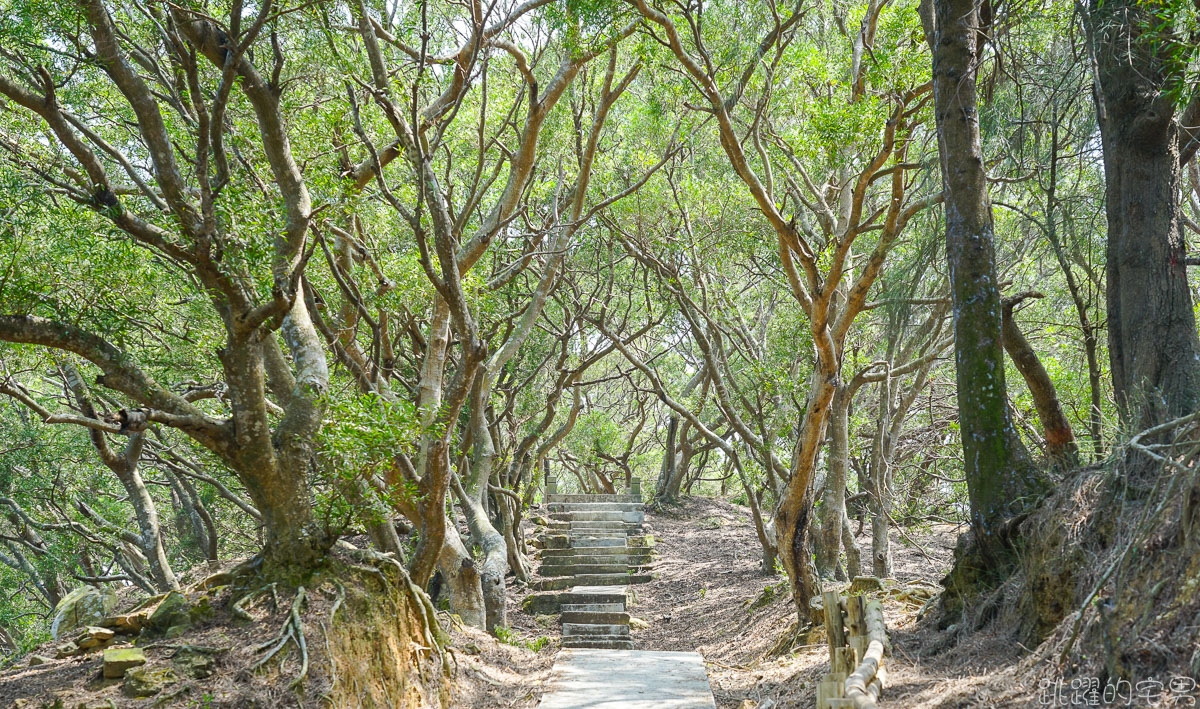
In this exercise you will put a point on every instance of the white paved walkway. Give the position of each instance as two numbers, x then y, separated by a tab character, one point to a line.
628	679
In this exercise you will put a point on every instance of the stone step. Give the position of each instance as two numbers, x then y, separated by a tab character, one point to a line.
604	552
566	524
556	583
599	516
595	617
599	642
553	583
599	529
598	550
595	594
631	560
602	679
577	629
585	541
596	507
576	568
592	608
580	535
605	579
555	541
627	559
551	499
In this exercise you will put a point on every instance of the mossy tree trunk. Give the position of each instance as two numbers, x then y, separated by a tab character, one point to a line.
1153	348
1001	479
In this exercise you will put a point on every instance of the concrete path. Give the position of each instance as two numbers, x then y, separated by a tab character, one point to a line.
628	679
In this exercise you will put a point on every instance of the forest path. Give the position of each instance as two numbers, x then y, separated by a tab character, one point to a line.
628	679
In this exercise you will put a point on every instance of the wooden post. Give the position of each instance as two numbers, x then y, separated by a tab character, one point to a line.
857	624
833	627
831	689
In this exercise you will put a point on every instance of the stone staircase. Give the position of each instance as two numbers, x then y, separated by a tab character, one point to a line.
593	548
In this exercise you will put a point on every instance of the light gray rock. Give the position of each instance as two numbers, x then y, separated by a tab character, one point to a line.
86	605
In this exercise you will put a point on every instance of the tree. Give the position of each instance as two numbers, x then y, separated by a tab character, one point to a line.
172	209
1001	478
1153	347
822	271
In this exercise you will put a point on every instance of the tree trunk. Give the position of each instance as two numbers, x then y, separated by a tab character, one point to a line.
853	555
880	499
1152	344
461	584
794	512
666	492
766	535
277	480
1060	439
1001	479
828	540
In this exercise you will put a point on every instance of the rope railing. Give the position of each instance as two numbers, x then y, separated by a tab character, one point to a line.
857	643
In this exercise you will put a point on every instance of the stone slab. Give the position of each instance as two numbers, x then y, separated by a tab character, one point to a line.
606	629
592	608
594	506
582	568
599	642
592	498
595	594
592	541
628	679
617	617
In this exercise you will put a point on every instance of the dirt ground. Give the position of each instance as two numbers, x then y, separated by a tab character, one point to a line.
709	577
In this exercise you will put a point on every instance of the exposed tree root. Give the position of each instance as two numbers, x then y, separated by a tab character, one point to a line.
293	629
337	602
239	606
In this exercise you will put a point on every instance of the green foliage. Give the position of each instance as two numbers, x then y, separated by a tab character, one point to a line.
508	636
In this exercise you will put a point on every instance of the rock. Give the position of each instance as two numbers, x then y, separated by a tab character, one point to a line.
148	681
173	612
641	541
150	603
539	520
201	610
176	631
128	623
35	660
638	623
85	605
119	659
66	650
865	584
541	603
194	663
816	610
92	636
